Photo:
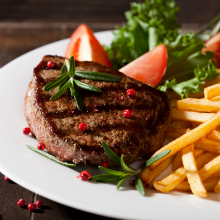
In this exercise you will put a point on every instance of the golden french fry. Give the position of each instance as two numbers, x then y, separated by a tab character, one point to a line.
217	174
208	145
203	159
181	124
174	179
210	159
198	105
189	164
190	116
195	124
217	187
188	138
212	91
209	185
210	168
216	98
170	182
214	135
151	176
145	174
177	162
177	132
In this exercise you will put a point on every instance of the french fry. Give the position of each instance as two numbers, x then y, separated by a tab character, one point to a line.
217	174
209	185
217	187
177	162
216	98
181	124
204	158
195	124
188	138
177	132
208	145
190	116
210	168
170	182
214	135
212	91
210	159
198	105
149	176
192	174
174	179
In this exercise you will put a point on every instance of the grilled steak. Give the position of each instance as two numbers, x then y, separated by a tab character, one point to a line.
56	123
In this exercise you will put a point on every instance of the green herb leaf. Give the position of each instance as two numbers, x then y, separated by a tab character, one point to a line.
98	76
66	80
125	166
72	90
78	99
61	91
119	183
67	63
49	156
63	69
156	157
139	185
153	38
86	86
105	178
111	154
109	171
208	72
52	85
72	67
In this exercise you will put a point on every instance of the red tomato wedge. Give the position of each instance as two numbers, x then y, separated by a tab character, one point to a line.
85	47
148	68
213	45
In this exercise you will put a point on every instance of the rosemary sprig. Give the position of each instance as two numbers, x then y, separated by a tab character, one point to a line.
66	80
121	176
51	157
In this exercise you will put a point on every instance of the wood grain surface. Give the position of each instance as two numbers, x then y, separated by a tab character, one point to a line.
29	24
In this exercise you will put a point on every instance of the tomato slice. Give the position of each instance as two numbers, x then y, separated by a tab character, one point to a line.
83	46
213	45
148	68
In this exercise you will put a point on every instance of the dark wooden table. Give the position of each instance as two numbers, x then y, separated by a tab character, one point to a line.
26	25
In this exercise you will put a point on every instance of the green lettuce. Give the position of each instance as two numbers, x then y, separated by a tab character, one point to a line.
152	23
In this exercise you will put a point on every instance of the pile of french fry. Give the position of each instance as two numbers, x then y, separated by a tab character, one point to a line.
195	150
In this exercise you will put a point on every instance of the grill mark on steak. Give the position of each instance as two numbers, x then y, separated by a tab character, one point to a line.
136	137
76	112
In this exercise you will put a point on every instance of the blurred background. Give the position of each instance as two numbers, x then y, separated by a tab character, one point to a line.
28	24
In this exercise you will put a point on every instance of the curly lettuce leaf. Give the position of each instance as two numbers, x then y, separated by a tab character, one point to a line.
184	55
209	72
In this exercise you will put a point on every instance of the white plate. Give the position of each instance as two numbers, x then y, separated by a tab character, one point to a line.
59	183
